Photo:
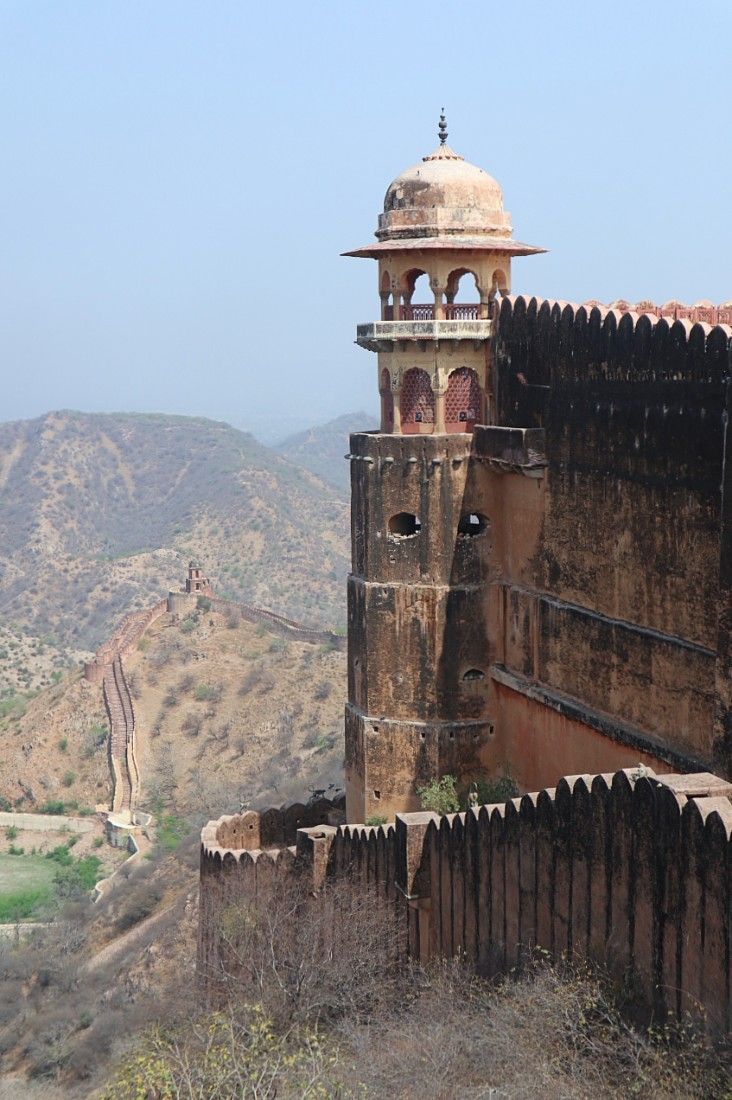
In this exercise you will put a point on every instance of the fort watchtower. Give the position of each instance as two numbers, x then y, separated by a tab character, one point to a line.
422	542
196	582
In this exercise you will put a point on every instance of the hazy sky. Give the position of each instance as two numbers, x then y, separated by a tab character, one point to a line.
178	179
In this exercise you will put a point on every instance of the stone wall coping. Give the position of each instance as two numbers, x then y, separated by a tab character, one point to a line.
708	792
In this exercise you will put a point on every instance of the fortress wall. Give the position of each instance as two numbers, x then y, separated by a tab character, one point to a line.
280	625
539	733
124	640
619	598
632	870
633	873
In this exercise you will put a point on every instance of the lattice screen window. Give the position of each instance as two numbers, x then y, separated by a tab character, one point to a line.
418	401
463	396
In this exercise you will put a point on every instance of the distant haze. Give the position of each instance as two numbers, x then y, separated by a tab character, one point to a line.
179	179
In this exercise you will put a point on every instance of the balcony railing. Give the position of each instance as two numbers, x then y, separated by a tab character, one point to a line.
465	311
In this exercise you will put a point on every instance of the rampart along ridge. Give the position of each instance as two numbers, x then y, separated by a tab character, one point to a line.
107	668
632	870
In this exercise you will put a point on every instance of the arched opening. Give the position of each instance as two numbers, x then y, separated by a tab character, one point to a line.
404	525
387	402
417	403
472	524
473	675
463	401
499	284
463	296
418	296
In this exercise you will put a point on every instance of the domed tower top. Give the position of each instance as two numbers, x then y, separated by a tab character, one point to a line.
443	227
444	202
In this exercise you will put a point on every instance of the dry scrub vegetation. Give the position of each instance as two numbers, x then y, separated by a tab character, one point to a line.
312	1004
315	1005
229	713
100	513
226	712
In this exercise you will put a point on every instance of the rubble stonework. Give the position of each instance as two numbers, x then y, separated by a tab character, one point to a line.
631	870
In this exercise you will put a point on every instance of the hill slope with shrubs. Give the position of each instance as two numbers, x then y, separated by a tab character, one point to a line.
226	712
99	512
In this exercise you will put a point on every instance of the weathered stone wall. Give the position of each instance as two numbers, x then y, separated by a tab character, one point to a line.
183	603
617	599
419	645
632	870
124	640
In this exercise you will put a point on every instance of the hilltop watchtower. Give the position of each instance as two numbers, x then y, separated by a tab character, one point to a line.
421	529
196	582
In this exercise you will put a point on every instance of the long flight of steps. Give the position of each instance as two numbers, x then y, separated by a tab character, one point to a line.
121	742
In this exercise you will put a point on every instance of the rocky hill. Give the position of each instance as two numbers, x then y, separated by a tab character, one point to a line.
321	449
226	712
98	512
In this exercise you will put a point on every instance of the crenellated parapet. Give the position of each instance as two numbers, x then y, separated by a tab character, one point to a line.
582	342
632	870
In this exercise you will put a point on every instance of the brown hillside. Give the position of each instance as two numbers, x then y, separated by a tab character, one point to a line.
99	511
226	713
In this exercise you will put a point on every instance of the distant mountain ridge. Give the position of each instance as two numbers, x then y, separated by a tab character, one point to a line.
321	449
99	513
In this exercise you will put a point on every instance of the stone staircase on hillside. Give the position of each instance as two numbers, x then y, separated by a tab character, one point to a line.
118	702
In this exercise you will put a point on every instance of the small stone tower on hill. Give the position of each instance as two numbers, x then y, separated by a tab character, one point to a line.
422	539
196	582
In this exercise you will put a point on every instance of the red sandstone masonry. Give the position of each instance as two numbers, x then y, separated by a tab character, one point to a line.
632	870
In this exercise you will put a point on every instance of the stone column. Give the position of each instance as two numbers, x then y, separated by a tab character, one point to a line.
397	296
440	389
397	395
384	296
438	292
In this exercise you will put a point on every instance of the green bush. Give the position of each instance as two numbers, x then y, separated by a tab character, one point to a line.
500	789
170	831
77	878
203	603
440	796
53	806
188	626
61	854
63	744
69	779
15	851
11	832
376	819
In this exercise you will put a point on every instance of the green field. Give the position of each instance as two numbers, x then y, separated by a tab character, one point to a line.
26	886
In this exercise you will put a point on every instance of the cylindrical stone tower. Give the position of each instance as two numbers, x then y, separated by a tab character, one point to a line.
421	528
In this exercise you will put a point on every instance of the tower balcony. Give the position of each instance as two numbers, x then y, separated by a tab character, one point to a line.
418	323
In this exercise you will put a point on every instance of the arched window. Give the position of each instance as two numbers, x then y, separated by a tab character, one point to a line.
417	403
418	297
463	401
463	296
387	402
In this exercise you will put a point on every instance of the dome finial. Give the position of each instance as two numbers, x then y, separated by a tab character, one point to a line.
442	129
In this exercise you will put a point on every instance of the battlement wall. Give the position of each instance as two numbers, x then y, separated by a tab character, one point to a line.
632	870
124	640
623	602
